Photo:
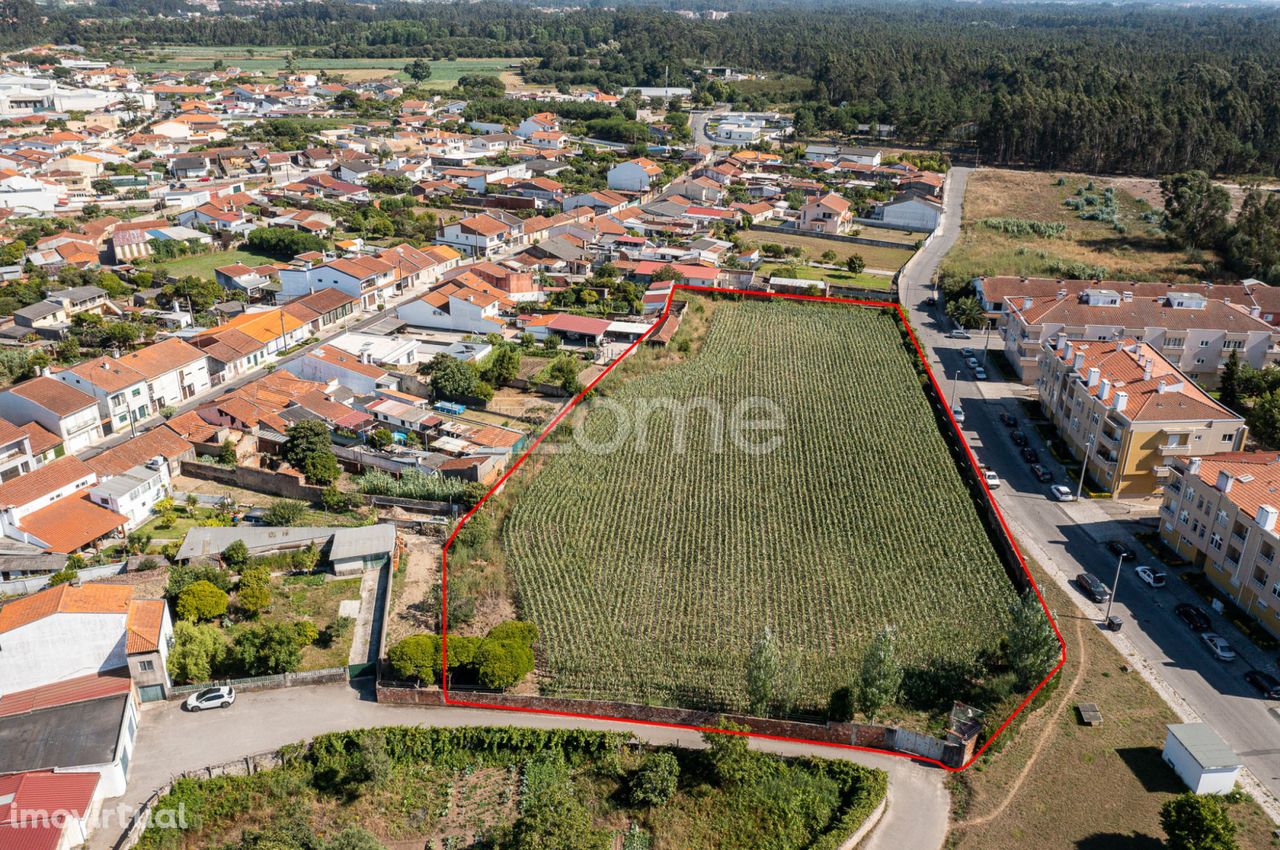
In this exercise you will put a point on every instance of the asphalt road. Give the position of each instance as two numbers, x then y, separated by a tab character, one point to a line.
698	125
1068	538
171	741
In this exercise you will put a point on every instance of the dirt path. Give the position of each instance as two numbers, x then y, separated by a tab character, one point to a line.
412	610
1049	719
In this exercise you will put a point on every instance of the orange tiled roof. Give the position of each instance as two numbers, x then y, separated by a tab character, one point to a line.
65	599
142	626
71	523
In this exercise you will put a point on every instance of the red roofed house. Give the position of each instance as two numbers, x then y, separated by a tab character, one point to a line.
634	175
472	307
1129	412
326	363
60	409
47	810
828	214
50	508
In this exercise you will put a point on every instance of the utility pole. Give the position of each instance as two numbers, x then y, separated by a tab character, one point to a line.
1115	582
1084	466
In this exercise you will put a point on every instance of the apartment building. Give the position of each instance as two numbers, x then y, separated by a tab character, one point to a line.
1128	412
1220	512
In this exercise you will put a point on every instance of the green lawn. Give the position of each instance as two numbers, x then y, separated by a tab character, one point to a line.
292	600
844	278
202	265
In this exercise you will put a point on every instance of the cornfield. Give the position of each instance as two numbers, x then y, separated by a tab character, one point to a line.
651	571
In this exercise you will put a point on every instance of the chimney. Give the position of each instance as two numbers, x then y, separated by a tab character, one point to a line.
1193	466
1063	343
1266	517
1068	348
1104	389
1094	374
1121	400
1146	369
1028	303
1079	360
1255	311
1225	480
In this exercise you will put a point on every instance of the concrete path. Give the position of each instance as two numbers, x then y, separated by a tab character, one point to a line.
171	741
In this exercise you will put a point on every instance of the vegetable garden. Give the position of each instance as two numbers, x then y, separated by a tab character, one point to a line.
651	570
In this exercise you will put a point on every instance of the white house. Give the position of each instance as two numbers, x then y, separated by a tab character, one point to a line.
355	372
174	371
57	407
478	235
1201	758
634	175
29	196
456	307
914	212
16	457
133	493
365	278
122	394
543	122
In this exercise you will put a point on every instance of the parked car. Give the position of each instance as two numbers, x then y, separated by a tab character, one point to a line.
980	374
1019	438
1196	620
1265	683
1062	493
993	480
1008	420
1030	455
958	413
971	362
1155	578
221	696
1043	475
1119	548
959	333
966	352
1092	587
1218	646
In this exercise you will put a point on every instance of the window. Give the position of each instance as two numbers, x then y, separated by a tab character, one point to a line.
1275	590
1199	361
137	391
1259	576
1204	343
1174	342
146	666
1226	438
1233	345
1216	541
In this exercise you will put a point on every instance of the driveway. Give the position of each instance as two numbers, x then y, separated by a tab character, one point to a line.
1067	539
172	741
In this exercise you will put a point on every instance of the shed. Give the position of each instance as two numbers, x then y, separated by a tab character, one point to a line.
1201	758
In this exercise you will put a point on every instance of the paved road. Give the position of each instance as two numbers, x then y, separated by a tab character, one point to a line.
1069	538
172	741
698	125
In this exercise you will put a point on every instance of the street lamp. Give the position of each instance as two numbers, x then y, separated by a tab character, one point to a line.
1084	466
1115	586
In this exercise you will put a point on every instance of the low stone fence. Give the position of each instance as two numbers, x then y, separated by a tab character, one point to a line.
862	735
248	478
830	237
266	683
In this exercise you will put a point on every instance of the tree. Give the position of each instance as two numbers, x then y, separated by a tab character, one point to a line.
556	819
525	632
880	680
227	453
855	264
828	256
455	380
103	186
1195	209
197	653
417	658
564	374
309	449
966	311
419	70
267	649
1229	384
284	512
379	438
502	663
201	600
1198	822
656	780
1254	249
763	669
284	242
1031	647
236	556
1264	419
253	594
503	366
67	574
728	755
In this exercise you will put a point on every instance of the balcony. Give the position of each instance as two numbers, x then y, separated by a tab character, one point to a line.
1230	563
1175	451
1108	439
1266	557
1237	539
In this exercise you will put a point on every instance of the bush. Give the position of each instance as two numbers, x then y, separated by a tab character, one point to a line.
417	658
502	663
267	649
236	556
201	600
336	631
840	707
62	576
197	653
526	633
253	596
656	780
284	512
183	576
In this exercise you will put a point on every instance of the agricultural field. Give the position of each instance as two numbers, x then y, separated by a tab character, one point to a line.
1126	246
652	569
202	265
876	257
269	60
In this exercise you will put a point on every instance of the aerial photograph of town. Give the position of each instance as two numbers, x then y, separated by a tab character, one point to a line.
639	425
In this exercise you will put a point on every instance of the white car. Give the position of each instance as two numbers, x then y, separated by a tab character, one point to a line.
221	696
980	374
1062	493
958	334
1155	578
958	413
971	362
966	352
993	480
1218	646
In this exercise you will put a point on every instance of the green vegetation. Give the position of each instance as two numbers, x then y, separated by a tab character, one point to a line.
202	265
500	659
825	531
520	789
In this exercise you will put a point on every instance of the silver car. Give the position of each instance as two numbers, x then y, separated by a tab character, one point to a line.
221	696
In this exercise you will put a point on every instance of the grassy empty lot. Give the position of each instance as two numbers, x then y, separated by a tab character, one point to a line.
1139	253
305	598
202	265
653	565
864	280
269	60
889	259
1060	785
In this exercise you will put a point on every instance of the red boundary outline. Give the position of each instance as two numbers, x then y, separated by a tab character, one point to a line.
444	558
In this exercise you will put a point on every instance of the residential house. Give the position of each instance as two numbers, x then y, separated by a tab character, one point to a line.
134	493
356	372
248	341
458	307
1128	412
634	175
483	235
249	280
1219	512
48	810
161	442
16	457
370	279
542	122
122	394
829	214
174	370
322	308
910	211
68	413
49	508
